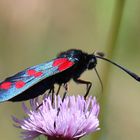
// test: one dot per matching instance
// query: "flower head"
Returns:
(68, 120)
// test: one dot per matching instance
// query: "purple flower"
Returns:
(68, 120)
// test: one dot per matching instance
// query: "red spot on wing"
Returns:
(59, 61)
(63, 63)
(37, 74)
(19, 84)
(5, 85)
(31, 72)
(34, 73)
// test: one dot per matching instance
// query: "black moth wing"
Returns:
(33, 81)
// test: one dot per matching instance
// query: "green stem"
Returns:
(111, 46)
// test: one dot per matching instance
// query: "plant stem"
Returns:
(111, 47)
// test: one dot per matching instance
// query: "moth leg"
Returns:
(87, 83)
(39, 106)
(51, 91)
(66, 91)
(58, 89)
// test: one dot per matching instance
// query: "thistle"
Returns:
(71, 119)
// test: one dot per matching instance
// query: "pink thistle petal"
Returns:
(76, 117)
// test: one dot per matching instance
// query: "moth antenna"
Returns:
(135, 76)
(99, 78)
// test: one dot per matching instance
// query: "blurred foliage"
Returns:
(34, 31)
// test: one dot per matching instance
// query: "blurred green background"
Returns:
(34, 31)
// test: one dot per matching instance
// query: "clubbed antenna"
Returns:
(135, 76)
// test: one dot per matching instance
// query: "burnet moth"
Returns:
(34, 81)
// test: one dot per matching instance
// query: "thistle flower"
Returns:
(68, 120)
